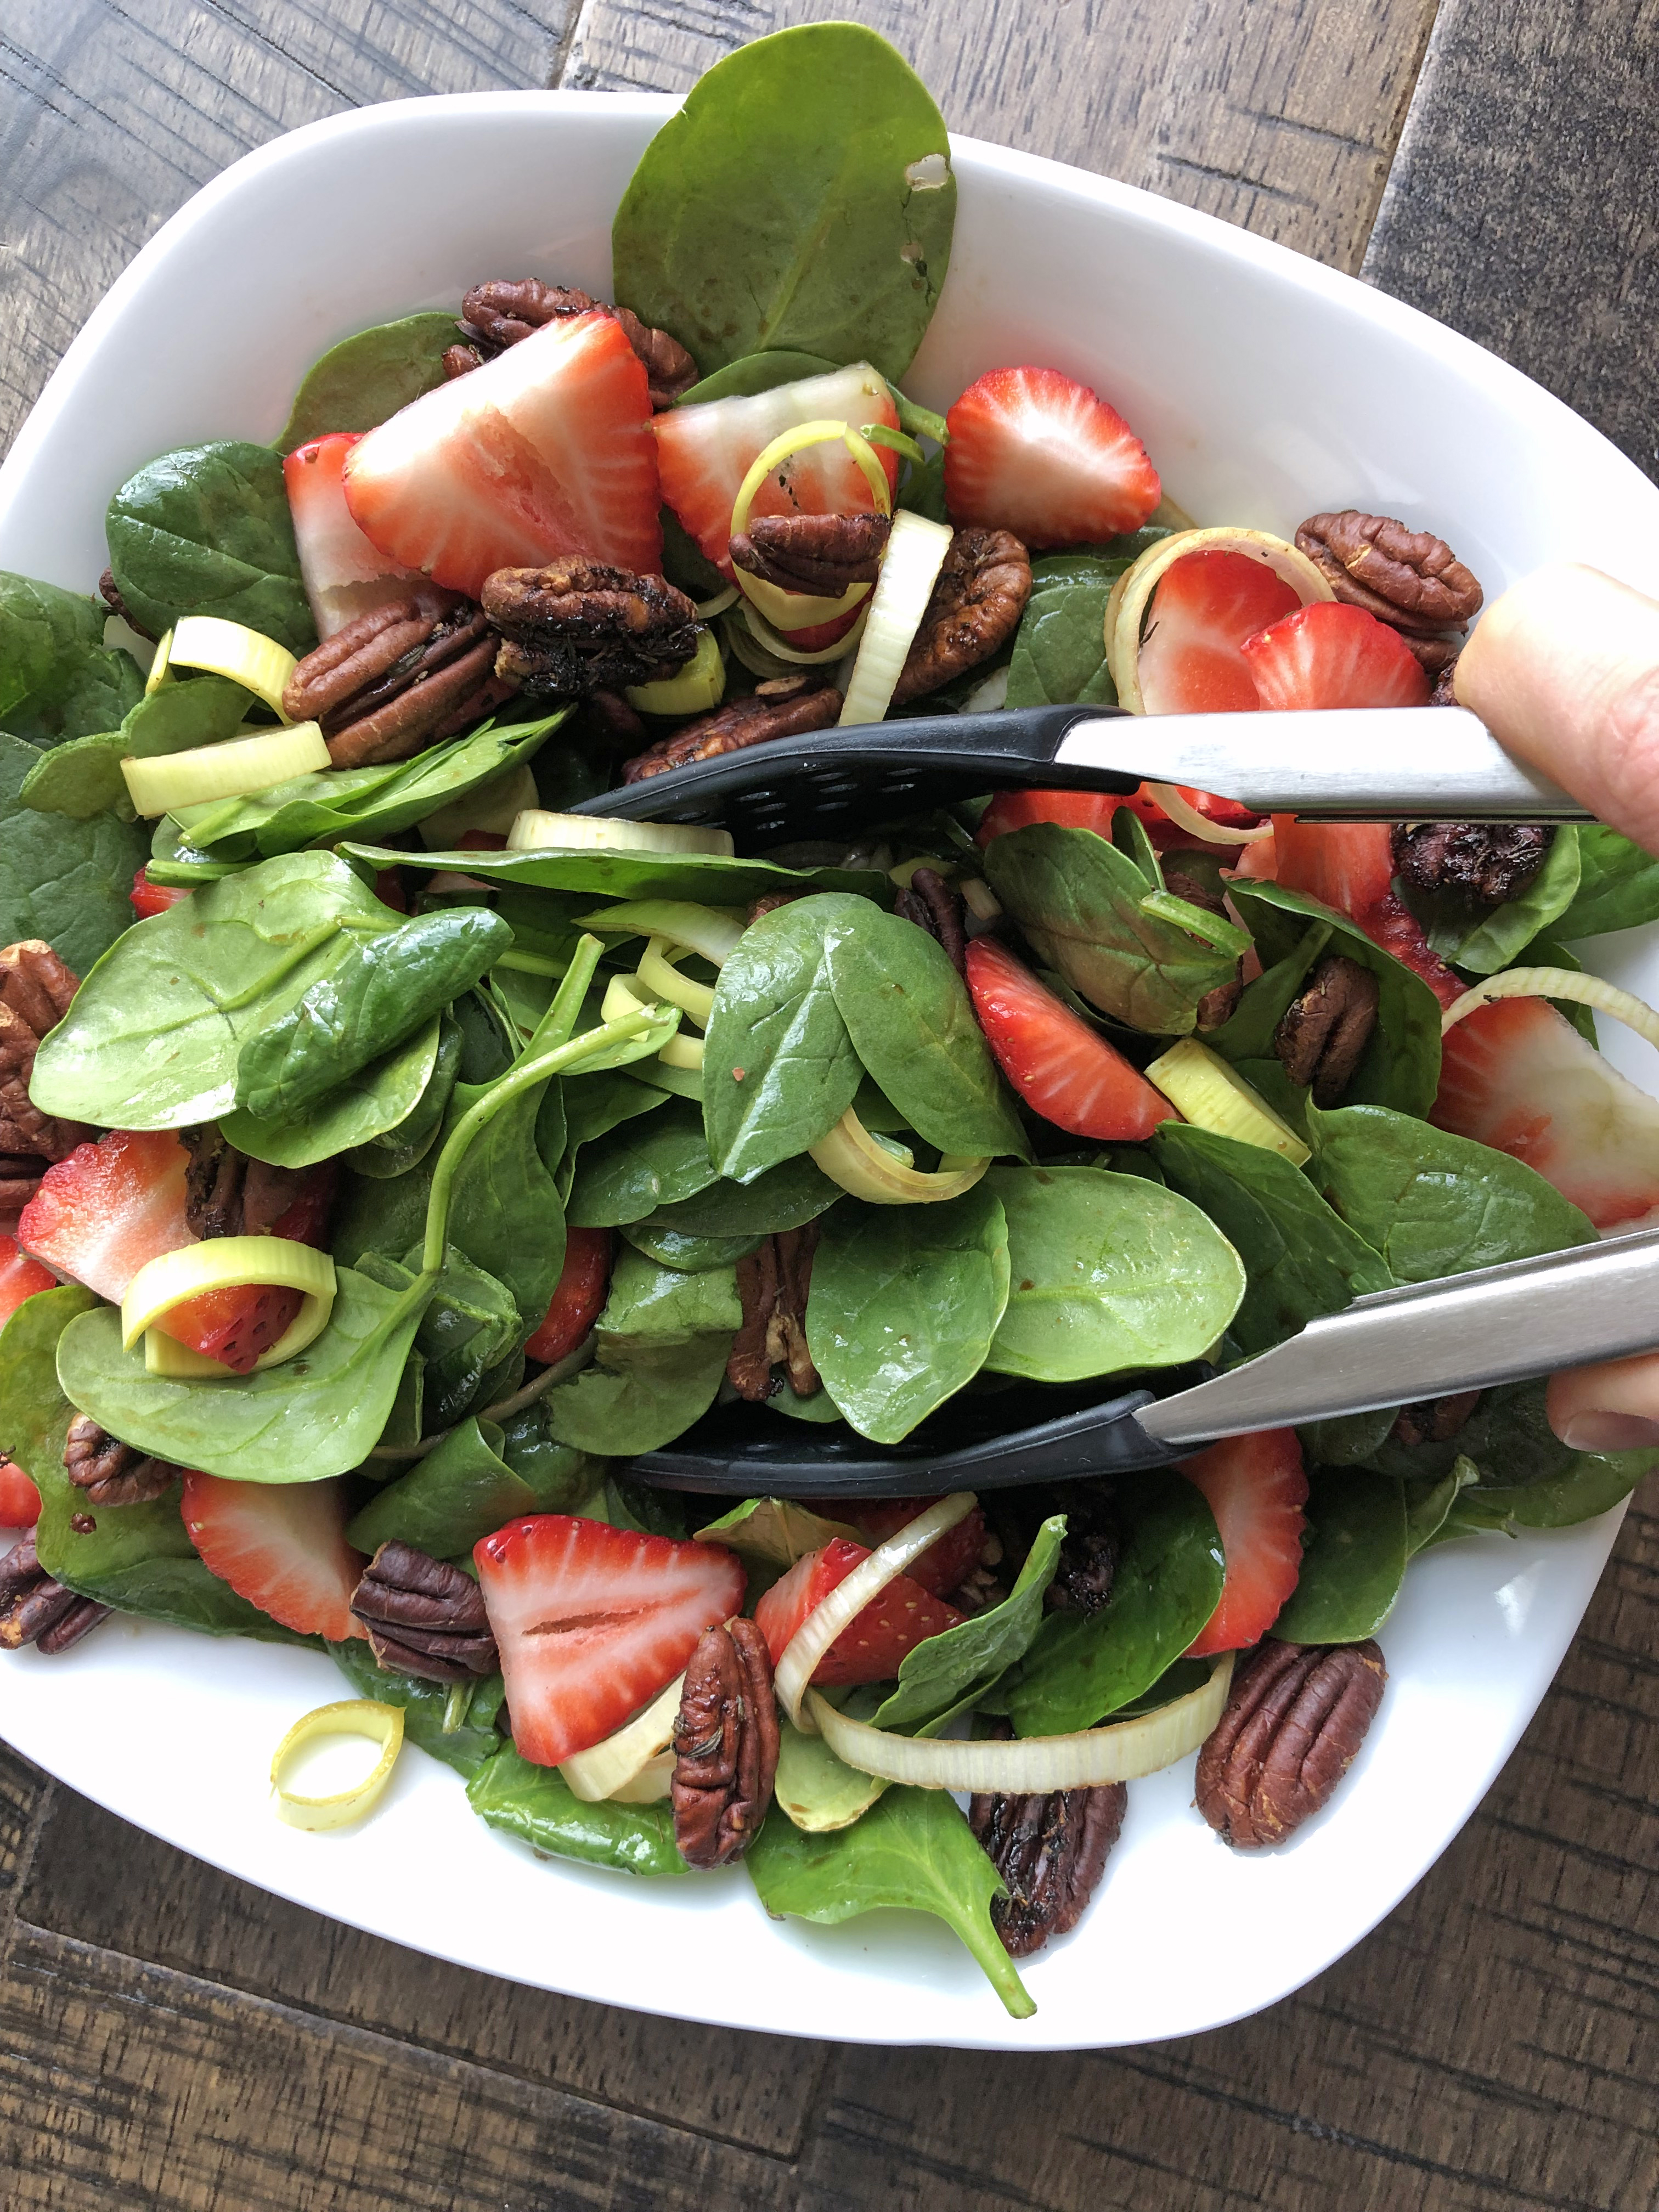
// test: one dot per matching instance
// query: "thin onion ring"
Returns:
(1557, 983)
(1132, 594)
(787, 443)
(1188, 818)
(364, 1716)
(619, 1759)
(770, 642)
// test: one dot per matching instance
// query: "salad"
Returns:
(403, 1154)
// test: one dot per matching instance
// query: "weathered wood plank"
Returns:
(1522, 207)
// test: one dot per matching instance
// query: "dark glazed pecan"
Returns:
(1406, 578)
(822, 554)
(773, 1285)
(1434, 656)
(1445, 693)
(110, 592)
(1435, 1420)
(931, 904)
(35, 991)
(400, 677)
(498, 315)
(786, 707)
(1051, 1850)
(579, 626)
(229, 1194)
(1322, 1035)
(423, 1617)
(1486, 861)
(726, 1746)
(978, 599)
(1295, 1718)
(34, 1610)
(110, 1471)
(1087, 1564)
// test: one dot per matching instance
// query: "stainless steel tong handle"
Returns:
(1494, 1325)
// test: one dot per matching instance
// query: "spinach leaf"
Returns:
(206, 530)
(950, 1671)
(833, 150)
(912, 1026)
(704, 878)
(57, 679)
(380, 1215)
(1428, 1503)
(1507, 1438)
(463, 1491)
(561, 1479)
(84, 777)
(913, 1849)
(505, 1213)
(1354, 1559)
(779, 1066)
(775, 1532)
(1080, 1669)
(1618, 885)
(1082, 903)
(1301, 1260)
(66, 882)
(785, 1197)
(626, 1175)
(469, 1325)
(152, 1039)
(814, 1789)
(403, 1143)
(595, 1104)
(357, 384)
(904, 1302)
(1482, 939)
(1108, 1273)
(1433, 1204)
(1591, 1485)
(663, 1342)
(690, 1255)
(467, 1747)
(1059, 652)
(754, 372)
(628, 1504)
(375, 1099)
(538, 1805)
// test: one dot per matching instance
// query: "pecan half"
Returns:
(1295, 1718)
(931, 904)
(726, 1746)
(1323, 1034)
(110, 592)
(978, 599)
(1445, 693)
(1407, 578)
(816, 553)
(498, 315)
(400, 677)
(786, 707)
(1434, 656)
(1087, 1566)
(35, 1609)
(579, 626)
(110, 1471)
(229, 1194)
(772, 1284)
(35, 991)
(1486, 861)
(1051, 1850)
(423, 1617)
(1435, 1420)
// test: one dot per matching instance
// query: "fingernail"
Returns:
(1610, 1432)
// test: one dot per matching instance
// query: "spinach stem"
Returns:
(558, 1023)
(530, 963)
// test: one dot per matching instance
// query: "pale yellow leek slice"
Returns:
(231, 1263)
(493, 806)
(606, 1768)
(692, 690)
(234, 769)
(161, 667)
(1557, 983)
(176, 1362)
(537, 831)
(796, 441)
(770, 641)
(786, 610)
(712, 931)
(651, 1785)
(228, 648)
(915, 554)
(683, 1051)
(360, 1716)
(1199, 825)
(663, 980)
(1212, 1095)
(850, 1156)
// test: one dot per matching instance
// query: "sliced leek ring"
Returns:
(1557, 983)
(1168, 796)
(1212, 1095)
(786, 610)
(231, 1263)
(227, 648)
(692, 690)
(664, 980)
(651, 1785)
(796, 441)
(606, 1768)
(161, 667)
(176, 1362)
(683, 1051)
(915, 554)
(361, 1717)
(493, 806)
(712, 931)
(780, 648)
(233, 768)
(537, 831)
(620, 999)
(1131, 596)
(707, 609)
(850, 1156)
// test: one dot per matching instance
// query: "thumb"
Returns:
(1564, 670)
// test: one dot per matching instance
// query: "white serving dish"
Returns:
(1266, 388)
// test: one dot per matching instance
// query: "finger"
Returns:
(1564, 670)
(1610, 1408)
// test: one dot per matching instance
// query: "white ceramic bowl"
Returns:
(1266, 388)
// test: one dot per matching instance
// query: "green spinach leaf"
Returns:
(471, 1323)
(690, 1255)
(624, 1176)
(447, 1501)
(1482, 939)
(66, 882)
(561, 1479)
(775, 1532)
(84, 777)
(785, 1197)
(816, 1790)
(1618, 885)
(538, 1805)
(467, 1747)
(704, 878)
(756, 373)
(403, 1143)
(206, 530)
(1428, 1502)
(950, 1671)
(662, 1346)
(57, 679)
(505, 1213)
(1059, 652)
(358, 1111)
(1591, 1485)
(1354, 1558)
(595, 1104)
(358, 384)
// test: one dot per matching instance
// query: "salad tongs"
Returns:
(1384, 763)
(1494, 1325)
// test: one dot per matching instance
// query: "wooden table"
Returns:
(172, 2039)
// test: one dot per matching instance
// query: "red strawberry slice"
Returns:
(20, 1501)
(704, 452)
(1063, 1069)
(577, 1297)
(149, 898)
(1332, 655)
(948, 1560)
(20, 1277)
(1516, 1075)
(545, 450)
(1350, 866)
(1203, 608)
(1256, 1489)
(592, 1621)
(343, 573)
(1093, 809)
(870, 1650)
(1036, 452)
(282, 1547)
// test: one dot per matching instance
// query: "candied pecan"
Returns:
(785, 706)
(1486, 861)
(38, 1610)
(400, 677)
(498, 315)
(1434, 655)
(110, 592)
(110, 1471)
(931, 904)
(1050, 1849)
(978, 599)
(579, 626)
(725, 1745)
(1435, 1420)
(1407, 578)
(772, 1284)
(1445, 693)
(1218, 1005)
(1323, 1034)
(229, 1194)
(816, 553)
(423, 1617)
(1295, 1718)
(35, 991)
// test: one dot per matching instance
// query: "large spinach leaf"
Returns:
(1618, 885)
(946, 1673)
(57, 679)
(785, 1197)
(66, 882)
(690, 1255)
(403, 1143)
(470, 1324)
(1060, 650)
(1588, 1487)
(358, 1111)
(506, 1214)
(754, 372)
(358, 384)
(466, 1745)
(1354, 1558)
(447, 1501)
(1109, 1272)
(84, 777)
(538, 1805)
(662, 1346)
(625, 1175)
(704, 878)
(206, 530)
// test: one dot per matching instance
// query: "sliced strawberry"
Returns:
(545, 450)
(344, 574)
(20, 1501)
(1203, 608)
(1332, 655)
(577, 1297)
(705, 452)
(870, 1650)
(1063, 1069)
(20, 1277)
(1036, 452)
(1350, 866)
(1516, 1075)
(148, 898)
(282, 1547)
(949, 1559)
(1256, 1489)
(1093, 809)
(592, 1621)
